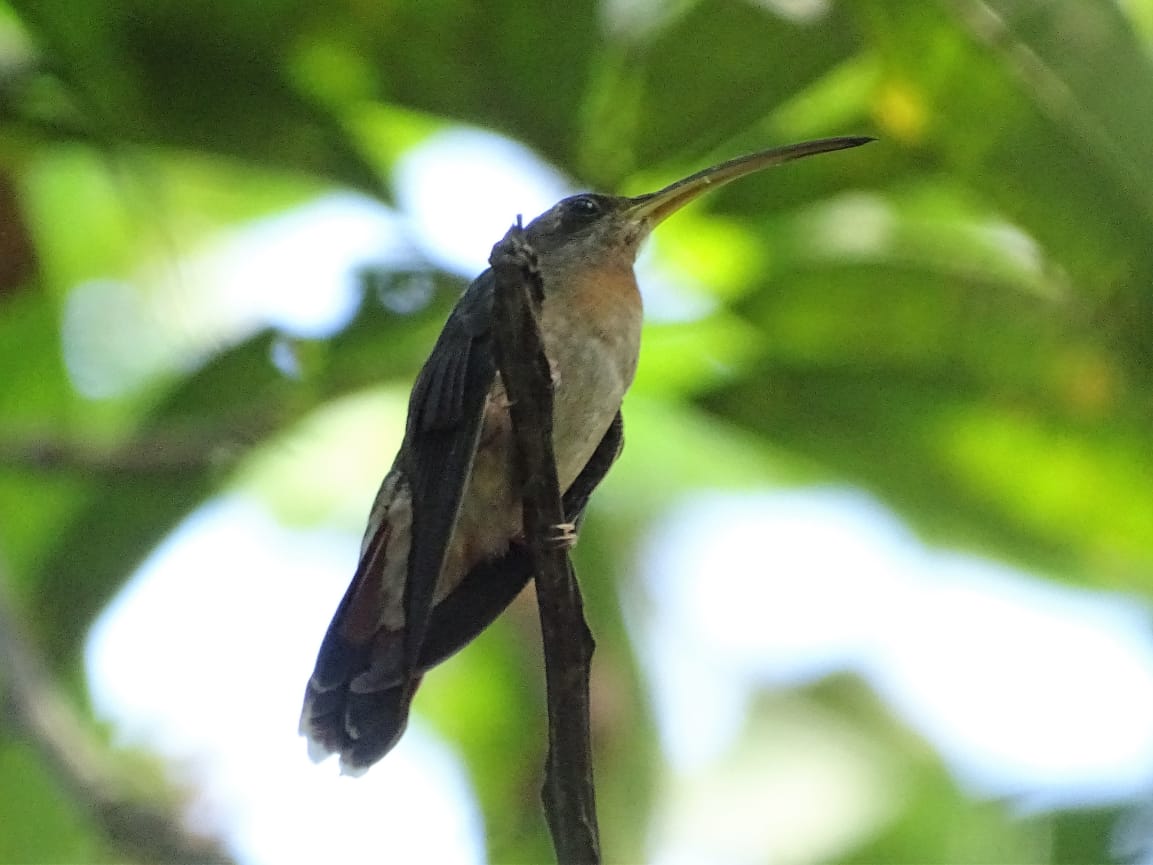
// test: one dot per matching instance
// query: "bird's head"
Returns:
(596, 229)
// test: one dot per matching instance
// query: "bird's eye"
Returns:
(585, 206)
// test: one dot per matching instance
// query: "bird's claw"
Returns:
(565, 536)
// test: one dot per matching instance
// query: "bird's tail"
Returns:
(359, 725)
(357, 701)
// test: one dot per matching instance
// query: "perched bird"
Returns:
(444, 542)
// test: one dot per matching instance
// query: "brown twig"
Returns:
(145, 456)
(568, 793)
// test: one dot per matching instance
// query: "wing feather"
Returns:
(445, 417)
(491, 586)
(358, 700)
(356, 703)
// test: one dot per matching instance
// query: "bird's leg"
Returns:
(565, 536)
(499, 398)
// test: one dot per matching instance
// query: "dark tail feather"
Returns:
(357, 701)
(481, 596)
(377, 720)
(335, 717)
(360, 727)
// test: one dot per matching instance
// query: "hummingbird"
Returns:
(444, 545)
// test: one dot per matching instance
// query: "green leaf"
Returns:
(719, 68)
(41, 822)
(206, 76)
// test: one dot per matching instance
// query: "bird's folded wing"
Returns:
(444, 421)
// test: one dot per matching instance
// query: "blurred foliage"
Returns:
(958, 319)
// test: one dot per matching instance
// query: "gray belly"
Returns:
(590, 375)
(592, 369)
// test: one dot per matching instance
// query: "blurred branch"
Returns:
(152, 455)
(145, 830)
(18, 264)
(1050, 87)
(568, 794)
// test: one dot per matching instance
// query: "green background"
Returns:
(980, 361)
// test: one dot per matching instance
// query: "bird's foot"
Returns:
(565, 536)
(500, 400)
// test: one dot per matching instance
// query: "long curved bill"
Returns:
(655, 207)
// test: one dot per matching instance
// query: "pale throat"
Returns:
(592, 337)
